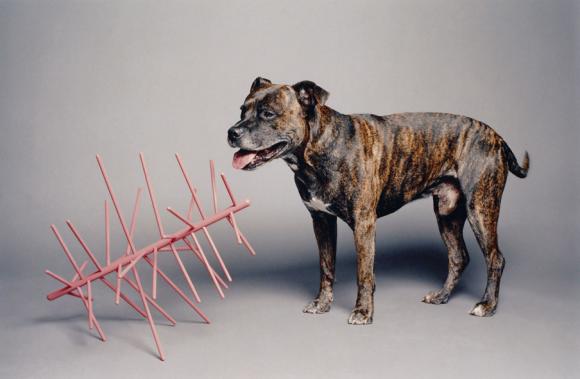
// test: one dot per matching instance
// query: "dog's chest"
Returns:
(317, 204)
(318, 195)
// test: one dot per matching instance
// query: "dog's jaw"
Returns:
(251, 159)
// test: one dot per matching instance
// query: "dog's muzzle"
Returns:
(234, 135)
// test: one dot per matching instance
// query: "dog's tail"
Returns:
(515, 168)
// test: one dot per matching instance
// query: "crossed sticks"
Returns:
(127, 263)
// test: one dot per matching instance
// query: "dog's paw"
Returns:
(317, 307)
(360, 317)
(436, 297)
(483, 309)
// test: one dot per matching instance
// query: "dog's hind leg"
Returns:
(483, 205)
(451, 228)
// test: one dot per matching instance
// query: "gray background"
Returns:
(116, 78)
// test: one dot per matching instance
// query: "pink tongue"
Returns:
(242, 158)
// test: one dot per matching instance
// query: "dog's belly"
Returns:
(388, 204)
(445, 190)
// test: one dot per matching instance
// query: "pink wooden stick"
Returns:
(62, 280)
(107, 235)
(133, 250)
(94, 319)
(178, 248)
(190, 186)
(122, 296)
(133, 285)
(66, 251)
(247, 244)
(232, 220)
(118, 293)
(85, 247)
(116, 204)
(234, 202)
(88, 251)
(185, 274)
(217, 254)
(132, 232)
(90, 295)
(162, 233)
(88, 303)
(245, 241)
(228, 189)
(82, 268)
(201, 213)
(154, 278)
(206, 264)
(178, 291)
(82, 297)
(149, 317)
(152, 196)
(198, 255)
(118, 289)
(134, 218)
(153, 303)
(57, 277)
(187, 222)
(213, 186)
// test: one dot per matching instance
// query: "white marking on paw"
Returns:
(317, 205)
(293, 166)
(478, 311)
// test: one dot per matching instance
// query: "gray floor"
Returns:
(258, 331)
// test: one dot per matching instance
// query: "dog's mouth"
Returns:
(251, 159)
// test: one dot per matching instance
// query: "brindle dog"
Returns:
(360, 167)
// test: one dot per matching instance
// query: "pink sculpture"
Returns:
(120, 267)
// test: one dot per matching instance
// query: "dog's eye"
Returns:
(267, 115)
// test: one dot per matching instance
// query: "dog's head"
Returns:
(273, 122)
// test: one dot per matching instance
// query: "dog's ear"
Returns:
(309, 94)
(258, 83)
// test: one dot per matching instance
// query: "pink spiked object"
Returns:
(119, 269)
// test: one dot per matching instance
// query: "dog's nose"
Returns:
(235, 132)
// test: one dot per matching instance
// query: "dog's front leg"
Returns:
(325, 231)
(364, 237)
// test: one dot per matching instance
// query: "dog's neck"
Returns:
(326, 131)
(322, 132)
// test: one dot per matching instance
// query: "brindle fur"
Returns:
(360, 167)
